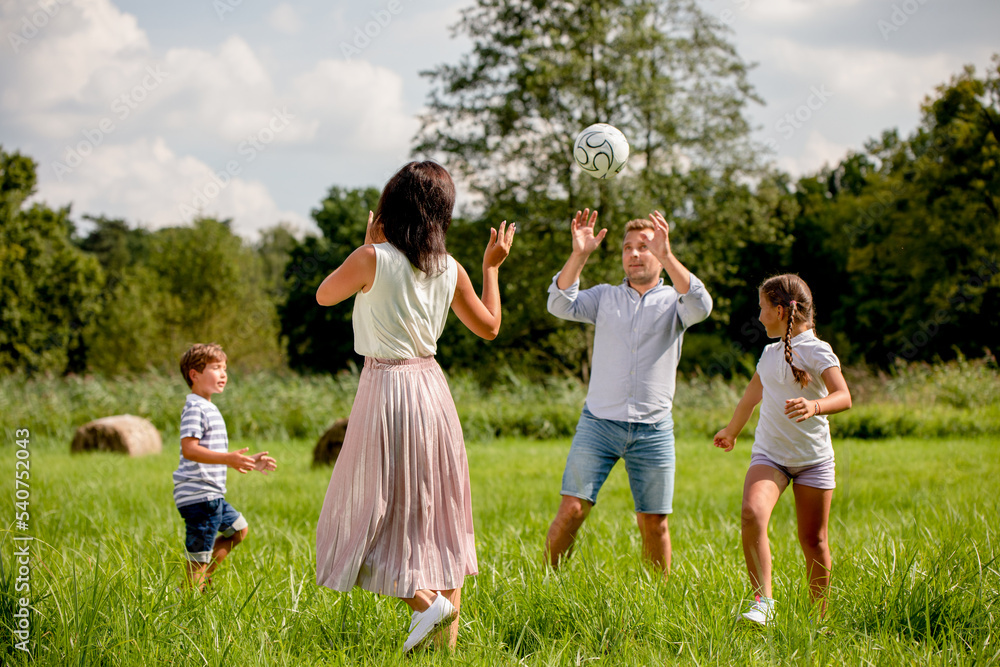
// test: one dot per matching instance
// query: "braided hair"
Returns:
(791, 293)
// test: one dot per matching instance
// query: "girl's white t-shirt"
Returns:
(779, 438)
(403, 314)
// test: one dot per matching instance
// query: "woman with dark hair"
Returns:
(397, 518)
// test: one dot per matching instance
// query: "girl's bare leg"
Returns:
(761, 490)
(812, 508)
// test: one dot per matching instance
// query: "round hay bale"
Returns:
(123, 434)
(327, 449)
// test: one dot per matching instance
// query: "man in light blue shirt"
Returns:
(640, 325)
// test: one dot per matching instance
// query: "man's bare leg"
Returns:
(562, 533)
(655, 539)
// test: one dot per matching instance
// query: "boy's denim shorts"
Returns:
(204, 521)
(648, 451)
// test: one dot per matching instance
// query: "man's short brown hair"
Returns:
(199, 356)
(638, 223)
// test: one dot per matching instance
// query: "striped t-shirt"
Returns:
(199, 482)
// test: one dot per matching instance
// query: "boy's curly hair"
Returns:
(199, 356)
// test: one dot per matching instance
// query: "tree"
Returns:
(506, 115)
(187, 285)
(322, 339)
(504, 119)
(275, 249)
(115, 244)
(912, 227)
(49, 289)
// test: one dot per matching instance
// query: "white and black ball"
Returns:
(601, 150)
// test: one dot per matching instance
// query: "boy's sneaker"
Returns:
(424, 623)
(761, 611)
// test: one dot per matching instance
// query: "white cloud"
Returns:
(817, 152)
(225, 94)
(355, 106)
(871, 78)
(824, 100)
(285, 19)
(146, 183)
(789, 11)
(218, 96)
(85, 49)
(90, 82)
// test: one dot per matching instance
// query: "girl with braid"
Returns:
(798, 383)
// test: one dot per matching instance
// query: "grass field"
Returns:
(914, 534)
(957, 399)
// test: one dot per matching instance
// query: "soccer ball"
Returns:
(601, 150)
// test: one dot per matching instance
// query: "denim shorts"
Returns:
(204, 521)
(648, 451)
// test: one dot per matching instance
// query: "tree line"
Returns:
(900, 241)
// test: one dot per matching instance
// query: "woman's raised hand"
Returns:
(582, 229)
(499, 246)
(373, 232)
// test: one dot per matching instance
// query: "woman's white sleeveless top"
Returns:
(403, 314)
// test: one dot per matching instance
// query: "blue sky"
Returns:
(155, 112)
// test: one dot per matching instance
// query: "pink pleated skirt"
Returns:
(397, 516)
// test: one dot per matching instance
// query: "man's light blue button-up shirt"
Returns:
(637, 343)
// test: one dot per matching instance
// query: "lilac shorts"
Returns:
(818, 476)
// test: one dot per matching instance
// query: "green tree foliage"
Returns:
(275, 249)
(660, 70)
(322, 339)
(505, 117)
(49, 289)
(903, 240)
(115, 245)
(179, 286)
(740, 237)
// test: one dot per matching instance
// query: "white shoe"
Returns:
(424, 623)
(761, 611)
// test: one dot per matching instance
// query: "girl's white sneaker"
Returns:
(761, 611)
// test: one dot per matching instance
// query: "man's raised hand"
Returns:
(660, 243)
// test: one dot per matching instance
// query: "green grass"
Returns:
(913, 533)
(961, 398)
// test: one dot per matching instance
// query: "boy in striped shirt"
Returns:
(213, 526)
